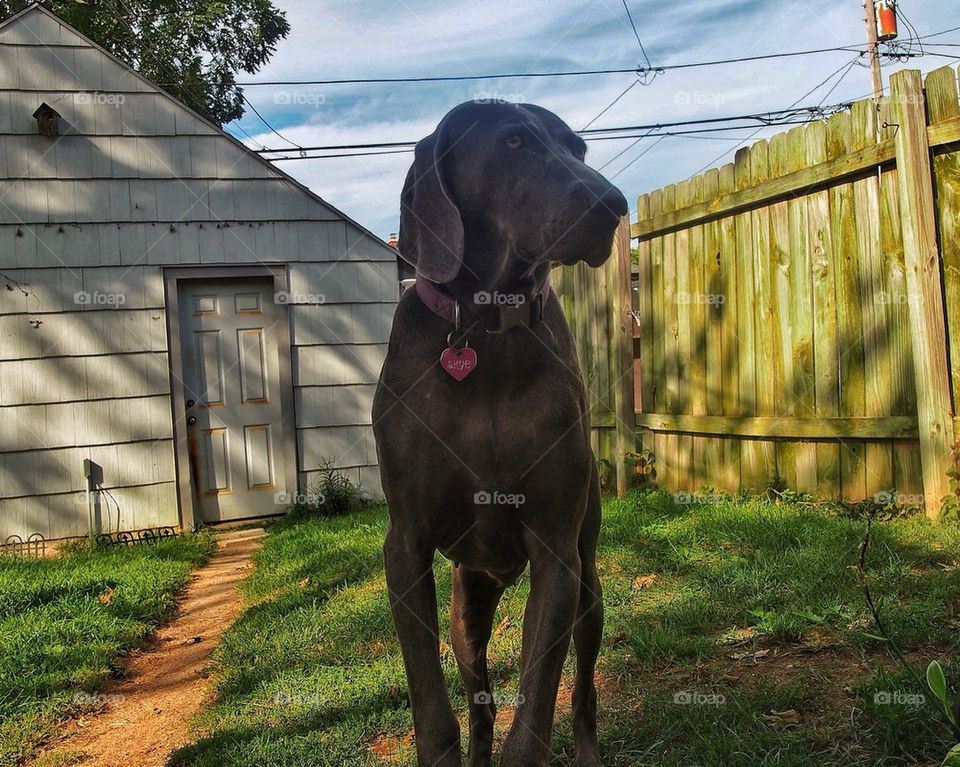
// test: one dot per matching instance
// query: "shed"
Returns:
(176, 314)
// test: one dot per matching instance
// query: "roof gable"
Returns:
(100, 96)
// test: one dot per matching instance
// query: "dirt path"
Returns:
(147, 714)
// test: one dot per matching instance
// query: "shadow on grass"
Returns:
(311, 673)
(774, 572)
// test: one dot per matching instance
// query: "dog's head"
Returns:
(500, 191)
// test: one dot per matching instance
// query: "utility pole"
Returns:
(873, 46)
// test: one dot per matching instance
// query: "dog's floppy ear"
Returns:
(431, 232)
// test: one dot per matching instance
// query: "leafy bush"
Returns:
(330, 496)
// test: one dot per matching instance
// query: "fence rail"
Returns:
(794, 309)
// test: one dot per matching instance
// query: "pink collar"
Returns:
(494, 318)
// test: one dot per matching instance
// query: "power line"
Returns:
(567, 73)
(823, 82)
(637, 34)
(610, 106)
(697, 133)
(937, 34)
(778, 117)
(853, 48)
(839, 80)
(625, 150)
(944, 56)
(814, 115)
(344, 154)
(272, 129)
(644, 152)
(641, 78)
(240, 128)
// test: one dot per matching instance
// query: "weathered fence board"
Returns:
(802, 386)
(597, 304)
(927, 318)
(943, 107)
(782, 329)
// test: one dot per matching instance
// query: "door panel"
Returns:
(231, 367)
(259, 454)
(209, 366)
(253, 374)
(217, 447)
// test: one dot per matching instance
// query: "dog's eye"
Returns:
(514, 141)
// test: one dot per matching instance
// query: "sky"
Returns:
(400, 38)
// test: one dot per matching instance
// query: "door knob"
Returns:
(191, 421)
(190, 403)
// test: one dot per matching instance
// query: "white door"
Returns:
(231, 368)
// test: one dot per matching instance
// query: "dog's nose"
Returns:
(612, 202)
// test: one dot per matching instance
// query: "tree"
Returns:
(192, 48)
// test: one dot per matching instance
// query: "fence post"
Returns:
(620, 303)
(922, 257)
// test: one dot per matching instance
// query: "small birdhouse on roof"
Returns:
(48, 120)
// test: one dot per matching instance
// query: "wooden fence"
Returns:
(793, 309)
(598, 306)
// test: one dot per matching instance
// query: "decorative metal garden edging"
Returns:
(150, 536)
(35, 546)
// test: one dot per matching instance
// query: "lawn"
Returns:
(66, 623)
(736, 634)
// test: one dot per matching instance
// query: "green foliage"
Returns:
(65, 623)
(937, 683)
(950, 508)
(644, 465)
(193, 48)
(605, 472)
(330, 496)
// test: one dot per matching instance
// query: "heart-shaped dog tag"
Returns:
(459, 363)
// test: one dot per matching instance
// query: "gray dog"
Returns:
(482, 425)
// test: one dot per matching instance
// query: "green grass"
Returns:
(65, 624)
(311, 673)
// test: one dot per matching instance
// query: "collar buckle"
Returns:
(526, 314)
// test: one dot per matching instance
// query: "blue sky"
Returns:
(363, 38)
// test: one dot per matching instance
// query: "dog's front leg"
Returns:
(413, 602)
(547, 626)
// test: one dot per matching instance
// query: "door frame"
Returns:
(172, 278)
